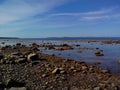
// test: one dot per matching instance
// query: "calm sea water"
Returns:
(109, 60)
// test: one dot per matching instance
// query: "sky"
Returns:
(59, 18)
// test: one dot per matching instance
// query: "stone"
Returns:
(2, 86)
(44, 75)
(105, 71)
(97, 88)
(84, 67)
(72, 68)
(18, 88)
(32, 56)
(56, 71)
(16, 53)
(20, 60)
(62, 72)
(13, 83)
(118, 61)
(99, 54)
(1, 56)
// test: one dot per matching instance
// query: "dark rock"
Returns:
(12, 83)
(99, 54)
(2, 86)
(1, 56)
(77, 45)
(18, 44)
(35, 63)
(16, 53)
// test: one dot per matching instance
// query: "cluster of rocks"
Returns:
(26, 68)
(58, 47)
(111, 42)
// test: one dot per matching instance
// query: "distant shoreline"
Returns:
(9, 38)
(66, 38)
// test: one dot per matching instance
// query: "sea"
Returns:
(108, 61)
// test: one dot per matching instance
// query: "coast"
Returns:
(26, 68)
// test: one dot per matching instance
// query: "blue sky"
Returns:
(59, 18)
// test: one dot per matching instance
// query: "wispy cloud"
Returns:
(20, 15)
(12, 10)
(107, 13)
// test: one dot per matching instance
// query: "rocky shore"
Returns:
(26, 68)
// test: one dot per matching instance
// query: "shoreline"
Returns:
(32, 70)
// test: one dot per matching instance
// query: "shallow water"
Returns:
(109, 60)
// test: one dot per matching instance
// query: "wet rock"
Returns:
(77, 45)
(51, 47)
(118, 61)
(32, 56)
(18, 88)
(99, 54)
(18, 44)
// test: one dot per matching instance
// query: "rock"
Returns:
(2, 86)
(35, 63)
(97, 88)
(118, 61)
(21, 60)
(13, 83)
(84, 67)
(1, 56)
(18, 88)
(16, 53)
(44, 75)
(62, 72)
(99, 54)
(32, 56)
(72, 68)
(35, 49)
(56, 71)
(105, 71)
(18, 44)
